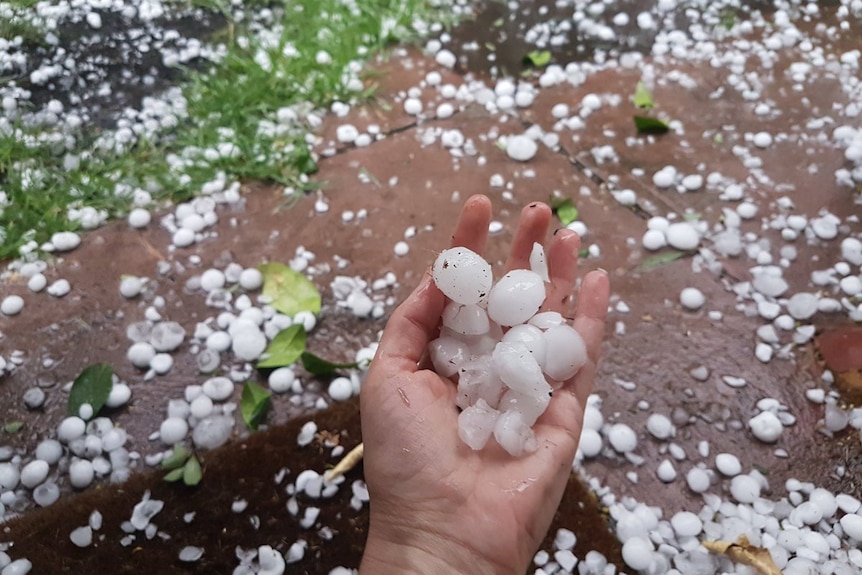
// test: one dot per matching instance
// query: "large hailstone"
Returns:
(518, 369)
(565, 352)
(462, 275)
(516, 298)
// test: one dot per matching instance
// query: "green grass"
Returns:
(14, 22)
(233, 102)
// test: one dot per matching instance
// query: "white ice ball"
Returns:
(281, 379)
(340, 389)
(516, 297)
(532, 337)
(654, 240)
(622, 438)
(250, 279)
(447, 354)
(518, 369)
(565, 352)
(514, 435)
(476, 424)
(81, 473)
(682, 236)
(12, 305)
(173, 430)
(462, 275)
(692, 298)
(466, 319)
(521, 148)
(139, 218)
(766, 426)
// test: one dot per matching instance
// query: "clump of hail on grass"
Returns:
(505, 355)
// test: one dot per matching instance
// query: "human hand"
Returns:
(437, 506)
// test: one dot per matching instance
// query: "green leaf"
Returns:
(92, 386)
(174, 475)
(316, 365)
(13, 427)
(648, 125)
(177, 458)
(498, 23)
(643, 98)
(537, 58)
(285, 348)
(564, 209)
(192, 472)
(254, 403)
(584, 253)
(289, 291)
(659, 260)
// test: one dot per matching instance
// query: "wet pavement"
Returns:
(411, 188)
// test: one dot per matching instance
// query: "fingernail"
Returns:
(602, 270)
(557, 230)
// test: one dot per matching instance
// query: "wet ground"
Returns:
(408, 181)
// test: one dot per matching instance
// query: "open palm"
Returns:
(437, 505)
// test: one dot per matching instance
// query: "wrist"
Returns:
(403, 550)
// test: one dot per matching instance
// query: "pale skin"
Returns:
(437, 506)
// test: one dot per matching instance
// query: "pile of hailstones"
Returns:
(506, 356)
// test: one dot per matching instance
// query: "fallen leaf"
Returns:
(659, 260)
(285, 348)
(642, 97)
(648, 125)
(316, 365)
(176, 459)
(564, 209)
(13, 427)
(192, 472)
(289, 291)
(744, 552)
(254, 403)
(538, 58)
(92, 386)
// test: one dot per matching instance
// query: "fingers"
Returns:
(592, 311)
(414, 323)
(562, 258)
(472, 228)
(532, 228)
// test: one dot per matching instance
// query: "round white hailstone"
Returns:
(183, 238)
(697, 479)
(250, 279)
(692, 182)
(565, 352)
(626, 197)
(59, 288)
(445, 58)
(538, 261)
(271, 561)
(622, 438)
(762, 139)
(745, 488)
(34, 473)
(307, 319)
(851, 285)
(851, 250)
(46, 494)
(218, 388)
(447, 354)
(12, 305)
(114, 439)
(71, 429)
(213, 431)
(201, 406)
(516, 297)
(249, 344)
(476, 424)
(167, 336)
(173, 430)
(766, 427)
(208, 361)
(139, 218)
(591, 443)
(521, 148)
(131, 286)
(346, 133)
(34, 398)
(682, 236)
(190, 554)
(686, 524)
(530, 405)
(65, 241)
(514, 435)
(692, 298)
(852, 526)
(401, 248)
(664, 177)
(218, 341)
(9, 476)
(666, 471)
(212, 279)
(660, 426)
(654, 240)
(413, 106)
(18, 567)
(161, 363)
(802, 305)
(523, 98)
(82, 536)
(560, 111)
(194, 222)
(825, 500)
(637, 553)
(281, 379)
(340, 389)
(37, 282)
(746, 210)
(763, 352)
(658, 223)
(445, 110)
(85, 412)
(462, 275)
(81, 473)
(518, 368)
(465, 319)
(530, 336)
(50, 451)
(547, 319)
(141, 354)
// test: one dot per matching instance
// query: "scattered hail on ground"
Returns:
(722, 137)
